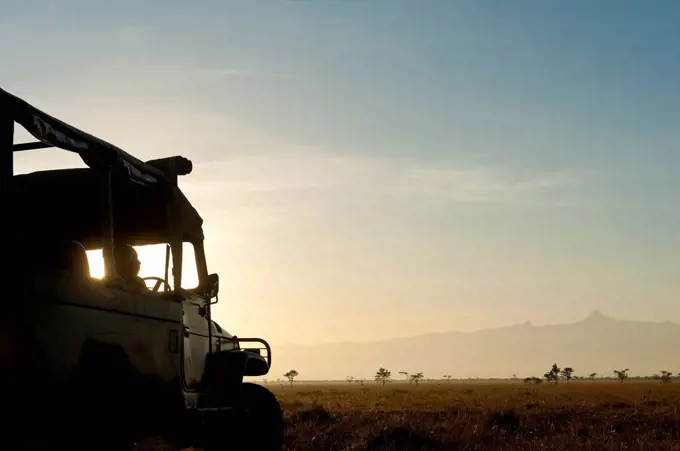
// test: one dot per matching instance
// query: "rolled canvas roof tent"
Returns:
(51, 132)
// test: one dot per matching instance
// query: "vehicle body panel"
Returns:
(79, 354)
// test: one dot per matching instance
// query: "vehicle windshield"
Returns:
(153, 260)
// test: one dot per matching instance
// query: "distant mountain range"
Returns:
(595, 344)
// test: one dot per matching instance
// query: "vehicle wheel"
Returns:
(259, 427)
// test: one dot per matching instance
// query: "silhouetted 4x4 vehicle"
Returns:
(94, 363)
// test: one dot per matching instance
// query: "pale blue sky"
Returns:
(390, 167)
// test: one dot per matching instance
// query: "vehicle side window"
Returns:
(152, 264)
(96, 261)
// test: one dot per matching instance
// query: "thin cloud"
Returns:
(488, 185)
(174, 72)
(223, 72)
(298, 188)
(309, 173)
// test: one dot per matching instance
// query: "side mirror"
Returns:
(212, 286)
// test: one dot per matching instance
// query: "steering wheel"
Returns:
(158, 283)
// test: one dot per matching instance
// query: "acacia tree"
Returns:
(621, 374)
(291, 375)
(406, 375)
(591, 376)
(553, 375)
(416, 377)
(665, 376)
(567, 372)
(383, 375)
(448, 378)
(350, 379)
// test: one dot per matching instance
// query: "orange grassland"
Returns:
(503, 415)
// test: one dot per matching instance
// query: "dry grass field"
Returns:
(581, 415)
(604, 415)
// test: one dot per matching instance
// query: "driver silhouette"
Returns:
(128, 265)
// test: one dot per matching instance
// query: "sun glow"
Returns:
(152, 259)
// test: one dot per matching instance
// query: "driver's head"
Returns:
(127, 261)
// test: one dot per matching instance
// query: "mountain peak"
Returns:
(595, 315)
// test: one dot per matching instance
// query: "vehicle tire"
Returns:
(259, 426)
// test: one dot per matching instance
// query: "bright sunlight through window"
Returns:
(152, 259)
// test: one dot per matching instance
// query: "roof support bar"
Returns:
(108, 228)
(30, 146)
(6, 144)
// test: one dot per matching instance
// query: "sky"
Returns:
(375, 169)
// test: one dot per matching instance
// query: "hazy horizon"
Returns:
(593, 313)
(597, 344)
(369, 170)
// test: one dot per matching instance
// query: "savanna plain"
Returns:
(481, 415)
